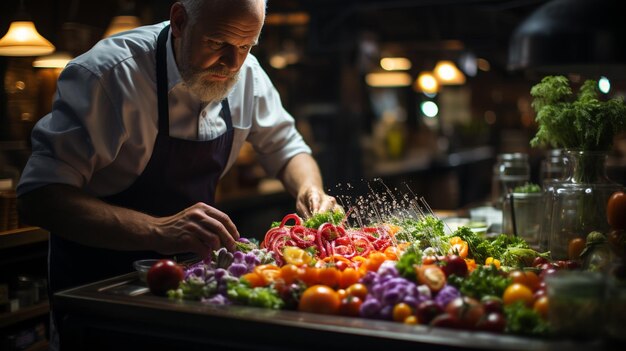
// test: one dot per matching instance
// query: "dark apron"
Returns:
(179, 174)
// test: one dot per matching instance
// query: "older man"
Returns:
(142, 128)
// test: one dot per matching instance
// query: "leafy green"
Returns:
(411, 258)
(335, 217)
(242, 293)
(246, 247)
(524, 321)
(479, 248)
(483, 281)
(428, 231)
(527, 188)
(582, 122)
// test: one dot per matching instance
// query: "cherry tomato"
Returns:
(492, 304)
(518, 292)
(350, 306)
(427, 311)
(575, 248)
(454, 264)
(412, 320)
(493, 322)
(468, 311)
(527, 278)
(359, 290)
(164, 275)
(541, 306)
(401, 311)
(538, 261)
(616, 210)
(445, 320)
(432, 276)
(319, 299)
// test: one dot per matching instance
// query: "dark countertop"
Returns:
(121, 314)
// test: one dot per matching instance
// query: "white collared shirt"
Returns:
(103, 125)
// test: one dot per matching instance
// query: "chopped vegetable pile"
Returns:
(406, 271)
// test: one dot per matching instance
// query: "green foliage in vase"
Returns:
(580, 122)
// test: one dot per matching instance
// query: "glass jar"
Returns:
(579, 202)
(553, 170)
(522, 215)
(511, 170)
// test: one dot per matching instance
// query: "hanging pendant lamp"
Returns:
(571, 36)
(22, 38)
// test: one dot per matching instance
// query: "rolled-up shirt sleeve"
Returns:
(273, 133)
(74, 139)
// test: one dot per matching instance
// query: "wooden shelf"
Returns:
(24, 313)
(22, 236)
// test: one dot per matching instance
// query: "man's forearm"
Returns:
(300, 171)
(74, 215)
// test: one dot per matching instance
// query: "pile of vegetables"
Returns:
(410, 271)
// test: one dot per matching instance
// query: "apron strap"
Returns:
(226, 115)
(161, 66)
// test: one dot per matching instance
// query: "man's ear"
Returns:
(178, 19)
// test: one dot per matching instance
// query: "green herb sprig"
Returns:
(583, 122)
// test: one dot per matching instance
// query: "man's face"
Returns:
(210, 51)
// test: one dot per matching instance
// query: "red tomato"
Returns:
(163, 276)
(454, 264)
(350, 306)
(427, 311)
(616, 210)
(466, 310)
(492, 322)
(319, 299)
(575, 248)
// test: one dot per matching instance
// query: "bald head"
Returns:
(196, 7)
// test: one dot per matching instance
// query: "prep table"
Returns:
(121, 313)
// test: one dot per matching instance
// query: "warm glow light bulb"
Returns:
(22, 39)
(427, 83)
(447, 73)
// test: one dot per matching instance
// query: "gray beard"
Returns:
(207, 91)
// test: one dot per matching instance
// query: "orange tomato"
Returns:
(471, 264)
(401, 311)
(541, 306)
(575, 248)
(289, 273)
(348, 277)
(359, 290)
(308, 275)
(518, 292)
(329, 276)
(412, 320)
(527, 278)
(319, 299)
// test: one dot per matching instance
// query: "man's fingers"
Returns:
(224, 220)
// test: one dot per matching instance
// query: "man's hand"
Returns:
(311, 200)
(199, 229)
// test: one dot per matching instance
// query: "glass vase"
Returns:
(579, 201)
